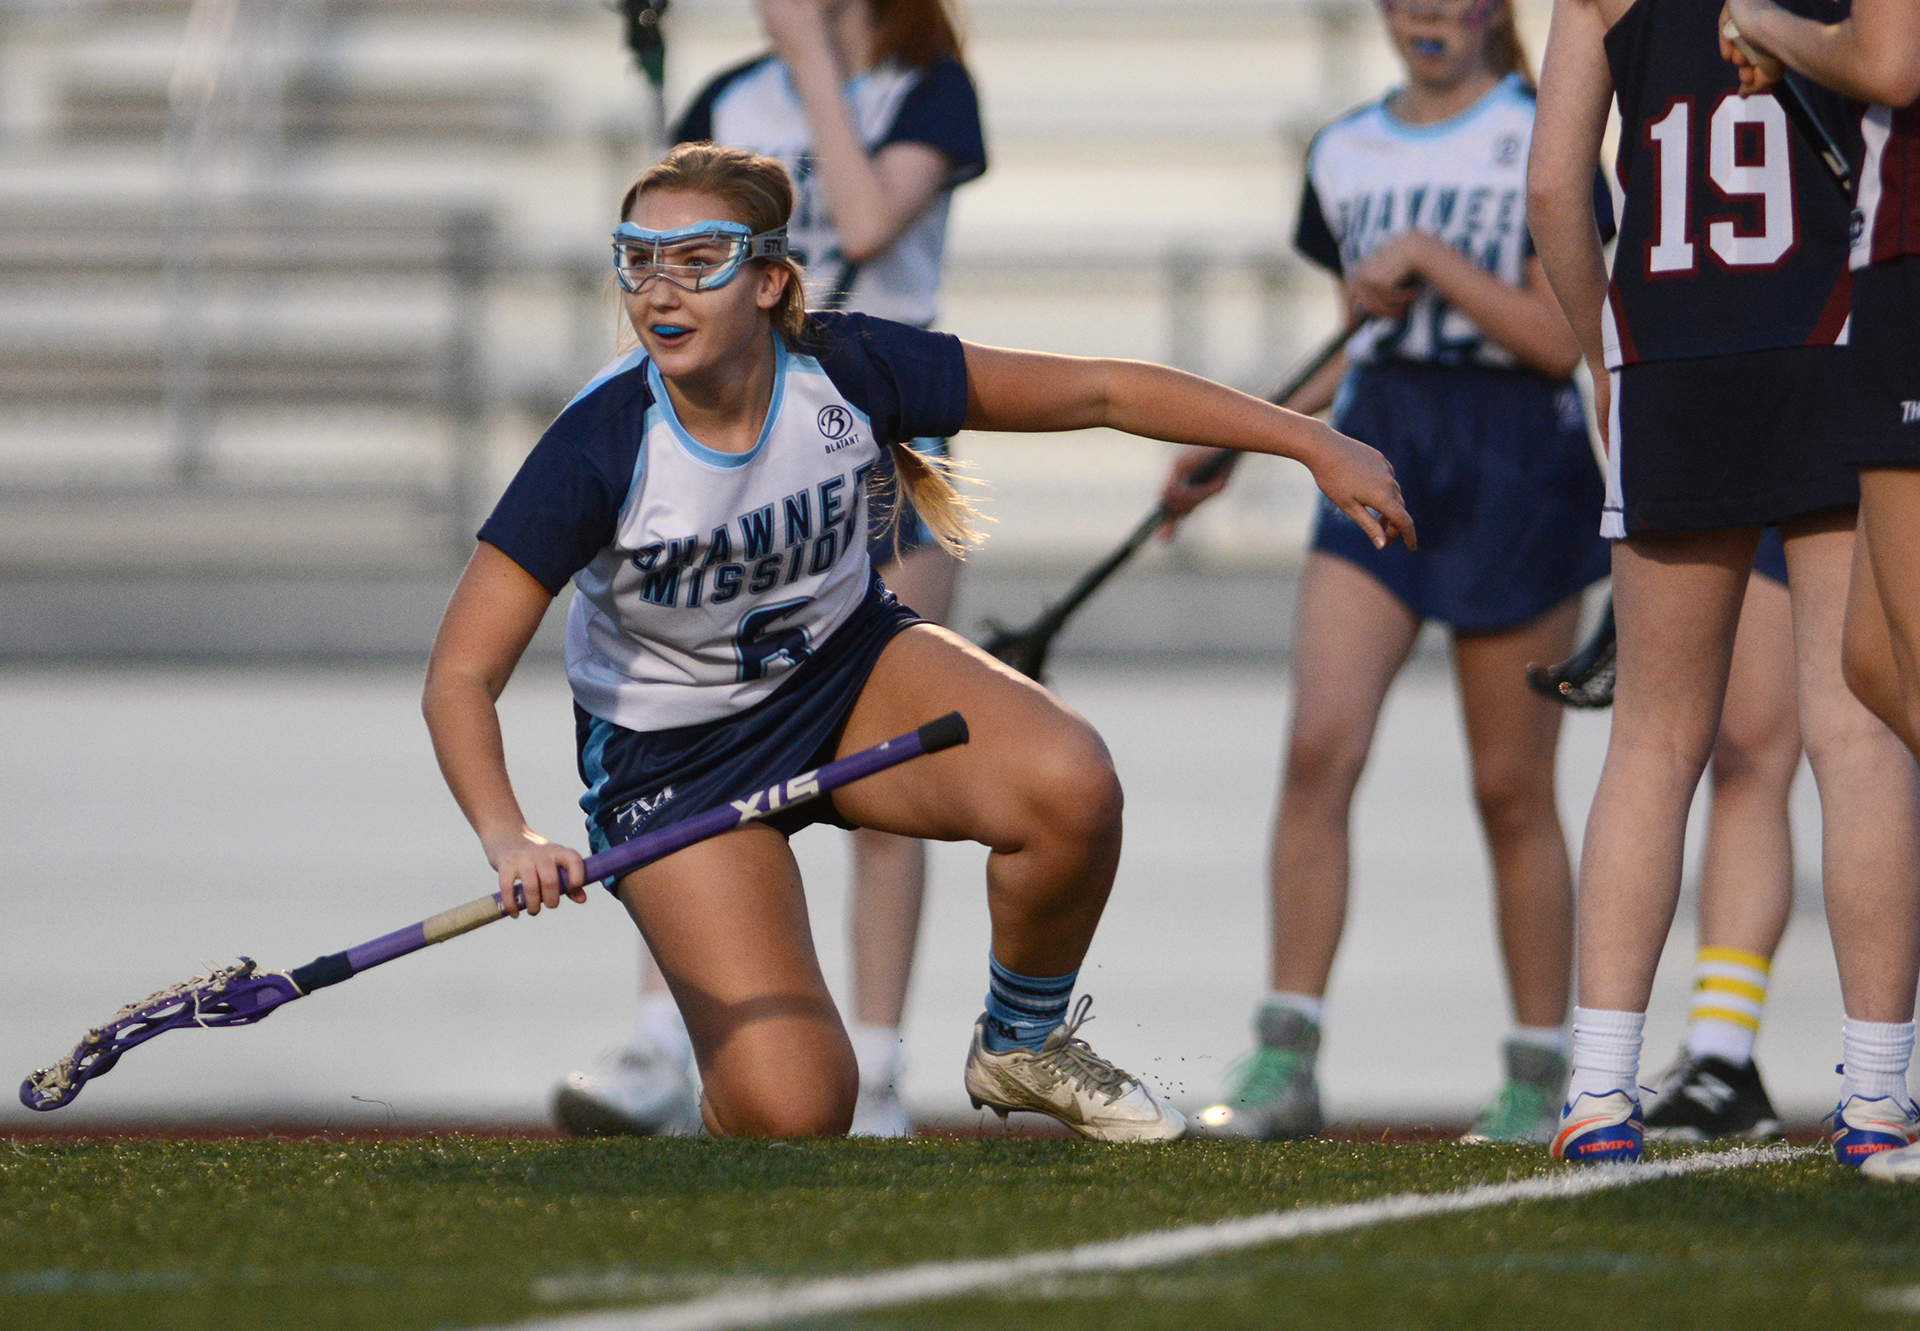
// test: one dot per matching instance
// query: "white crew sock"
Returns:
(877, 1050)
(1606, 1052)
(1553, 1038)
(1307, 1004)
(1729, 990)
(1876, 1055)
(662, 1026)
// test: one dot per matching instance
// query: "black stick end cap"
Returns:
(944, 733)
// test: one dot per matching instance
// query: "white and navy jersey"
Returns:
(703, 576)
(1733, 238)
(1887, 221)
(755, 106)
(1372, 177)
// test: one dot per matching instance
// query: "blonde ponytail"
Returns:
(925, 484)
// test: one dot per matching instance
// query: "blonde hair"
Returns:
(757, 192)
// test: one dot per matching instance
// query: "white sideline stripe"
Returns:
(764, 1306)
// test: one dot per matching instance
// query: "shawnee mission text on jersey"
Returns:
(702, 577)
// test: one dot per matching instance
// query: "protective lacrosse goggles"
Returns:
(701, 257)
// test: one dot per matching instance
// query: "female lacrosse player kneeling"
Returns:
(707, 495)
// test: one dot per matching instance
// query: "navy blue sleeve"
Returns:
(943, 111)
(911, 383)
(563, 506)
(1311, 234)
(1603, 207)
(695, 124)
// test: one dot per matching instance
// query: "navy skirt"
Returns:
(640, 781)
(1500, 479)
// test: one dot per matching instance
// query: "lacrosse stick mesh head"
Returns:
(1587, 684)
(235, 995)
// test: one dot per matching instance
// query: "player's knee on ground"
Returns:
(770, 1097)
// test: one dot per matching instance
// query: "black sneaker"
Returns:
(1701, 1099)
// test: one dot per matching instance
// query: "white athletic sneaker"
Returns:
(1901, 1166)
(1064, 1079)
(636, 1091)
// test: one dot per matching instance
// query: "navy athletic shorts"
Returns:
(642, 781)
(1886, 355)
(1500, 478)
(1770, 560)
(891, 511)
(1735, 441)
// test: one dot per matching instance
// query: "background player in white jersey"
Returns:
(1417, 205)
(1729, 408)
(1873, 56)
(707, 495)
(869, 107)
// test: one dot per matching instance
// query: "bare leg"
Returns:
(1677, 599)
(1513, 735)
(1352, 637)
(727, 921)
(1869, 793)
(1883, 608)
(1034, 784)
(1746, 877)
(890, 872)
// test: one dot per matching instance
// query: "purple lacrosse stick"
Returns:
(240, 995)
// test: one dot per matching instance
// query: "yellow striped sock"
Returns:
(1729, 992)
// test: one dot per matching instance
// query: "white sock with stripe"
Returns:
(1606, 1052)
(1729, 991)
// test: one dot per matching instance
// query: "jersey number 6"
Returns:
(1748, 156)
(759, 643)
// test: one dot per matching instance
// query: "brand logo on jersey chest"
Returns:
(1506, 150)
(836, 422)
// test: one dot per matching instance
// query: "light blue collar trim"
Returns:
(1507, 87)
(713, 457)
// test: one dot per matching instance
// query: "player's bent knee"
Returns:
(1073, 791)
(783, 1106)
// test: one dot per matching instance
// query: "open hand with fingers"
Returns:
(542, 869)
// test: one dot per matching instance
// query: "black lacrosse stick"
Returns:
(1584, 679)
(644, 38)
(1025, 649)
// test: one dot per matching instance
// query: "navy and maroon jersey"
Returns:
(1889, 209)
(1732, 237)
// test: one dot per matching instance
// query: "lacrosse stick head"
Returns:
(235, 995)
(1591, 686)
(1023, 649)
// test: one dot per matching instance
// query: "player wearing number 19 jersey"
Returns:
(1733, 243)
(1723, 328)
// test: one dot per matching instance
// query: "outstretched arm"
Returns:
(1576, 88)
(1025, 391)
(489, 622)
(1871, 56)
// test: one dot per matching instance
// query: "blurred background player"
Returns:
(1460, 376)
(1713, 1088)
(869, 107)
(1873, 56)
(1729, 408)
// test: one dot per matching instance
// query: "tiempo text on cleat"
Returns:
(1065, 1080)
(1864, 1128)
(1599, 1129)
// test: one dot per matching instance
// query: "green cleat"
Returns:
(1527, 1109)
(1274, 1096)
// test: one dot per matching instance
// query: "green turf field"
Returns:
(460, 1231)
